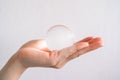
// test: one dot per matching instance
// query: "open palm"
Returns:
(36, 54)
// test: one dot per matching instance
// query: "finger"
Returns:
(96, 43)
(72, 49)
(65, 53)
(97, 39)
(85, 40)
(78, 46)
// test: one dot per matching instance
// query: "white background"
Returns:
(24, 20)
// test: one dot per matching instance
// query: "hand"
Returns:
(36, 54)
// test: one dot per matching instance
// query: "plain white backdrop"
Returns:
(24, 20)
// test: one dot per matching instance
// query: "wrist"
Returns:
(13, 69)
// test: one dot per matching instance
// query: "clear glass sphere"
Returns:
(59, 36)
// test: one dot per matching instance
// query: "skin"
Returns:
(36, 54)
